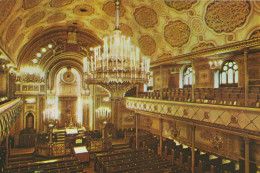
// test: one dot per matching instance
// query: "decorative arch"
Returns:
(185, 77)
(229, 75)
(32, 121)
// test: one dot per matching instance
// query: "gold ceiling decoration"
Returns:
(255, 34)
(202, 46)
(13, 28)
(83, 10)
(99, 24)
(180, 5)
(147, 45)
(5, 9)
(146, 17)
(109, 8)
(177, 33)
(59, 3)
(226, 16)
(28, 4)
(30, 19)
(35, 18)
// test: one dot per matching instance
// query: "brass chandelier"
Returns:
(117, 65)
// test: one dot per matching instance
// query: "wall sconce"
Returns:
(216, 64)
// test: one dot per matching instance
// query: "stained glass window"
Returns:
(229, 74)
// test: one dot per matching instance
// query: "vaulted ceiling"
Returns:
(160, 28)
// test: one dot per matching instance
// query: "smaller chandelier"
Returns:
(117, 62)
(103, 114)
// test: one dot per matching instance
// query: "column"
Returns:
(246, 76)
(193, 81)
(136, 131)
(193, 148)
(114, 108)
(7, 148)
(247, 170)
(161, 135)
(161, 81)
(94, 107)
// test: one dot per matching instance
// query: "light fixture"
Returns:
(50, 46)
(117, 64)
(103, 114)
(44, 49)
(35, 61)
(216, 64)
(38, 55)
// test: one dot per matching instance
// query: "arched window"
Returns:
(187, 76)
(229, 74)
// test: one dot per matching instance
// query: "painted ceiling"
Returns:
(161, 28)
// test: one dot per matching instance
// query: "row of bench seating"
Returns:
(132, 161)
(67, 164)
(223, 96)
(180, 155)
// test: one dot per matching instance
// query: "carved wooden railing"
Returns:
(242, 120)
(9, 112)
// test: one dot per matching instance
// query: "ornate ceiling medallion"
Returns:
(147, 45)
(110, 9)
(177, 33)
(146, 17)
(180, 5)
(226, 16)
(99, 24)
(83, 10)
(126, 30)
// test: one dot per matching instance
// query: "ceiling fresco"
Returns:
(161, 28)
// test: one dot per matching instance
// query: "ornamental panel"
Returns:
(226, 16)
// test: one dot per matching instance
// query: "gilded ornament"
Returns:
(147, 45)
(146, 17)
(83, 10)
(196, 25)
(126, 30)
(180, 5)
(13, 28)
(99, 24)
(226, 16)
(110, 9)
(60, 3)
(28, 4)
(35, 31)
(17, 42)
(202, 46)
(56, 17)
(35, 18)
(160, 8)
(255, 34)
(6, 8)
(177, 33)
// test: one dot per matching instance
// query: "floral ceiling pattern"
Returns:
(157, 27)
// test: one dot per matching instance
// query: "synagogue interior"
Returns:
(144, 86)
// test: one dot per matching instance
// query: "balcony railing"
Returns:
(9, 112)
(235, 118)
